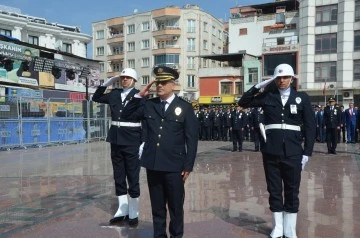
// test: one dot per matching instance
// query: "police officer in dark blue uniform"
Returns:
(285, 112)
(206, 124)
(199, 115)
(125, 138)
(257, 117)
(171, 138)
(237, 128)
(332, 122)
(217, 124)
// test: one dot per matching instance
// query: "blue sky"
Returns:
(84, 12)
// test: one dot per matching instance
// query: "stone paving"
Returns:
(67, 191)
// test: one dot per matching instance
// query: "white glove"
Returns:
(264, 83)
(141, 148)
(110, 81)
(304, 160)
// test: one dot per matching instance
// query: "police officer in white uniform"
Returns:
(285, 112)
(125, 138)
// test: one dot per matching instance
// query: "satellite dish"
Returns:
(58, 44)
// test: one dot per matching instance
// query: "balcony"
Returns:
(116, 38)
(166, 12)
(167, 31)
(112, 73)
(115, 22)
(167, 49)
(116, 57)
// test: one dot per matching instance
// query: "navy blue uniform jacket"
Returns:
(284, 142)
(170, 141)
(120, 135)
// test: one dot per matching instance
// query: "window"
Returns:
(357, 41)
(356, 69)
(325, 71)
(117, 50)
(191, 62)
(326, 15)
(239, 88)
(253, 75)
(190, 26)
(68, 48)
(213, 31)
(225, 88)
(220, 34)
(191, 44)
(101, 67)
(325, 44)
(131, 46)
(5, 32)
(205, 44)
(205, 27)
(357, 10)
(33, 40)
(100, 51)
(145, 26)
(191, 81)
(167, 59)
(145, 44)
(116, 67)
(131, 29)
(280, 40)
(131, 63)
(243, 31)
(145, 80)
(145, 62)
(100, 34)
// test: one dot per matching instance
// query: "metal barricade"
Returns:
(27, 122)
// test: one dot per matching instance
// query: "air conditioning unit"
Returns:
(175, 38)
(348, 95)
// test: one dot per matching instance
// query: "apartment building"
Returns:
(269, 31)
(38, 31)
(330, 50)
(172, 36)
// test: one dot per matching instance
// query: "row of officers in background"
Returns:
(229, 123)
(335, 124)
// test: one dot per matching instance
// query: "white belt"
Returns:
(283, 127)
(128, 124)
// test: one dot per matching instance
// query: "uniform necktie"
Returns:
(351, 113)
(163, 104)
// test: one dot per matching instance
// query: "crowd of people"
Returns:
(335, 124)
(229, 123)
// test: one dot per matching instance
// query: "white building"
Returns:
(171, 36)
(269, 31)
(37, 31)
(330, 49)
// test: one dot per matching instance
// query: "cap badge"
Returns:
(280, 71)
(177, 111)
(160, 70)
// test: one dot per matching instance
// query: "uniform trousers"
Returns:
(256, 133)
(126, 165)
(166, 188)
(331, 138)
(283, 170)
(237, 138)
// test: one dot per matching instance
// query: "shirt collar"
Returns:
(285, 92)
(170, 99)
(127, 90)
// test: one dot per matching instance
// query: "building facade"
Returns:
(172, 36)
(269, 31)
(38, 31)
(330, 50)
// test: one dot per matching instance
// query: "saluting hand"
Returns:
(185, 175)
(146, 90)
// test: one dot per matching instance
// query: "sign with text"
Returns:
(18, 66)
(216, 99)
